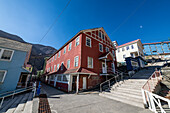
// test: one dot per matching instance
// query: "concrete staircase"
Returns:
(21, 103)
(129, 91)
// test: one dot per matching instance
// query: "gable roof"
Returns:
(128, 43)
(81, 31)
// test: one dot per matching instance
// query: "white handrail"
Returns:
(150, 99)
(12, 93)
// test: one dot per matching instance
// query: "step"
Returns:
(127, 94)
(15, 104)
(21, 104)
(122, 99)
(10, 103)
(29, 104)
(128, 89)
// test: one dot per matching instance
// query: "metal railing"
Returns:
(117, 78)
(17, 91)
(151, 100)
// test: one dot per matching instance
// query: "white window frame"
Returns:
(90, 42)
(54, 67)
(65, 50)
(3, 76)
(58, 66)
(88, 62)
(75, 61)
(100, 33)
(67, 64)
(1, 52)
(99, 47)
(102, 36)
(113, 52)
(69, 46)
(55, 56)
(59, 54)
(77, 41)
(107, 49)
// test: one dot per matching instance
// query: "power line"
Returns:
(55, 21)
(126, 19)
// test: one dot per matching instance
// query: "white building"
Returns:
(130, 49)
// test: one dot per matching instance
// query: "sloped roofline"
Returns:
(81, 31)
(129, 43)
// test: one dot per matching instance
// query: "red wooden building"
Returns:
(83, 62)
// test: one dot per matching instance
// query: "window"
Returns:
(118, 50)
(2, 75)
(69, 47)
(55, 56)
(90, 62)
(77, 41)
(54, 67)
(65, 78)
(103, 36)
(68, 64)
(107, 49)
(59, 77)
(88, 42)
(123, 49)
(76, 60)
(53, 59)
(127, 47)
(100, 47)
(113, 52)
(6, 54)
(51, 68)
(132, 47)
(62, 65)
(59, 54)
(64, 50)
(100, 34)
(58, 66)
(124, 56)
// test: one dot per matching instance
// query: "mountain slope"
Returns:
(38, 53)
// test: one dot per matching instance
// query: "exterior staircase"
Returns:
(129, 91)
(21, 103)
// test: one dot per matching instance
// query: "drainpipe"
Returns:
(77, 84)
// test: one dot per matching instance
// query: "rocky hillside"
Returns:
(38, 53)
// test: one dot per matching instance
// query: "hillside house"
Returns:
(130, 49)
(14, 56)
(83, 62)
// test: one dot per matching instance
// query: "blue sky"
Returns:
(121, 19)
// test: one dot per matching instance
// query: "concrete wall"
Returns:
(14, 69)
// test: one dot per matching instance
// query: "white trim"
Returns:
(78, 41)
(1, 52)
(65, 48)
(59, 54)
(54, 68)
(107, 48)
(77, 62)
(69, 47)
(67, 63)
(3, 76)
(99, 47)
(88, 62)
(90, 42)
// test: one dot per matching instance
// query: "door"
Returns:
(113, 67)
(84, 82)
(104, 69)
(74, 82)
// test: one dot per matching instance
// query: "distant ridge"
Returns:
(38, 53)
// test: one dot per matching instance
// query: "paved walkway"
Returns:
(88, 103)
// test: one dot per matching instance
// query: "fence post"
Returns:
(152, 102)
(100, 87)
(144, 98)
(109, 83)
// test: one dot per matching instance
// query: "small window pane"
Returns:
(2, 74)
(59, 78)
(65, 78)
(6, 55)
(88, 42)
(77, 41)
(90, 62)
